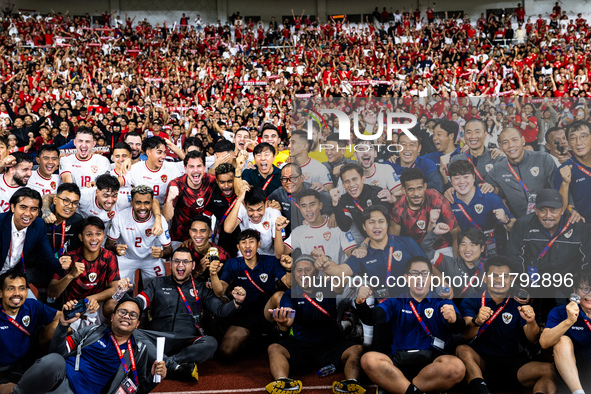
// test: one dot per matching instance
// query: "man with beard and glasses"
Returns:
(14, 178)
(178, 315)
(188, 195)
(43, 178)
(130, 238)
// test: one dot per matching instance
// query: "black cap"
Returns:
(549, 198)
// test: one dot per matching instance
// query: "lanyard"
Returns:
(587, 323)
(357, 205)
(229, 209)
(389, 270)
(473, 276)
(122, 357)
(268, 181)
(293, 201)
(547, 248)
(259, 288)
(15, 323)
(582, 169)
(421, 322)
(61, 250)
(22, 254)
(475, 169)
(321, 309)
(493, 317)
(469, 217)
(187, 302)
(517, 177)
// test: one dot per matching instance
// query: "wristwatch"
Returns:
(362, 245)
(474, 322)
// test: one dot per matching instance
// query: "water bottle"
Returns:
(120, 293)
(91, 318)
(327, 370)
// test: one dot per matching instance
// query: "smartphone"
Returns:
(80, 307)
(290, 313)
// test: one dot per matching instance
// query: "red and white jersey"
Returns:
(84, 171)
(44, 185)
(333, 241)
(6, 191)
(266, 227)
(138, 237)
(140, 174)
(89, 207)
(314, 171)
(124, 197)
(382, 175)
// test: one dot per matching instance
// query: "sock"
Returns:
(478, 386)
(412, 389)
(579, 392)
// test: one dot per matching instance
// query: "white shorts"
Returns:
(150, 268)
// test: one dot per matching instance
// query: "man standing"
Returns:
(14, 178)
(84, 166)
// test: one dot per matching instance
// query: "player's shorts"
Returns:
(503, 370)
(304, 357)
(411, 362)
(150, 268)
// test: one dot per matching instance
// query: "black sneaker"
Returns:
(284, 386)
(186, 372)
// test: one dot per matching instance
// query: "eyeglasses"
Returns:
(583, 137)
(292, 179)
(424, 274)
(124, 312)
(69, 203)
(183, 262)
(585, 290)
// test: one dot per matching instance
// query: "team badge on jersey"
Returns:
(478, 208)
(53, 185)
(111, 214)
(68, 228)
(375, 183)
(489, 167)
(148, 232)
(327, 235)
(26, 320)
(507, 317)
(421, 224)
(192, 293)
(429, 313)
(369, 203)
(397, 255)
(266, 225)
(264, 277)
(92, 276)
(319, 296)
(200, 202)
(568, 233)
(163, 178)
(94, 169)
(535, 171)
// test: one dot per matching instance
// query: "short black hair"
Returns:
(249, 233)
(21, 157)
(25, 192)
(182, 249)
(122, 145)
(194, 155)
(308, 193)
(131, 134)
(417, 259)
(552, 130)
(12, 274)
(450, 127)
(474, 235)
(107, 182)
(261, 147)
(335, 138)
(582, 277)
(82, 130)
(254, 196)
(224, 168)
(129, 299)
(92, 221)
(497, 261)
(351, 166)
(68, 187)
(303, 135)
(375, 208)
(461, 167)
(193, 141)
(412, 174)
(203, 219)
(223, 146)
(152, 143)
(47, 148)
(576, 126)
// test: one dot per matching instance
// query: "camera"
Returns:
(561, 149)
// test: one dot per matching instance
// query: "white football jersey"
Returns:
(137, 235)
(124, 197)
(140, 174)
(44, 185)
(6, 191)
(84, 171)
(266, 227)
(314, 171)
(333, 241)
(88, 206)
(382, 175)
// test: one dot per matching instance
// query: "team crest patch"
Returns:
(507, 317)
(375, 183)
(319, 296)
(421, 224)
(369, 203)
(568, 233)
(94, 169)
(26, 320)
(68, 228)
(397, 255)
(148, 232)
(429, 313)
(535, 171)
(266, 225)
(489, 167)
(327, 235)
(200, 202)
(264, 277)
(53, 185)
(478, 208)
(92, 276)
(192, 293)
(111, 214)
(163, 178)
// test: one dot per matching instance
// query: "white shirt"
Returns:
(124, 196)
(266, 227)
(15, 251)
(88, 206)
(84, 171)
(44, 185)
(383, 176)
(314, 171)
(140, 174)
(6, 192)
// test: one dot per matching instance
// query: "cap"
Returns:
(550, 198)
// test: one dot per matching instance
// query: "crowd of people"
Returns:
(166, 181)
